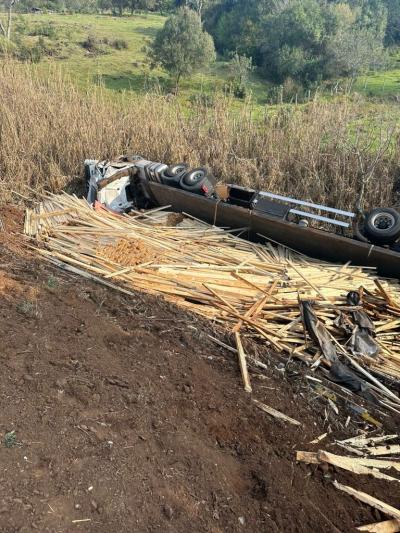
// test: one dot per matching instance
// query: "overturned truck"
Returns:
(367, 239)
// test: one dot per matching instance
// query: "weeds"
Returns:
(317, 151)
(52, 282)
(28, 308)
(44, 30)
(120, 44)
(10, 439)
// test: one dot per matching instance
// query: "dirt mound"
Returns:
(129, 253)
(127, 418)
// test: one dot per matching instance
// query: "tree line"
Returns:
(296, 41)
(306, 40)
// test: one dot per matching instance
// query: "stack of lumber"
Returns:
(251, 289)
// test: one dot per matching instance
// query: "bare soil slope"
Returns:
(127, 418)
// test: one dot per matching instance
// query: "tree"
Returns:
(120, 5)
(353, 52)
(237, 25)
(293, 41)
(104, 5)
(10, 7)
(197, 5)
(240, 67)
(134, 5)
(182, 46)
(393, 26)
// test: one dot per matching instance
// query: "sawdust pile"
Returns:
(129, 253)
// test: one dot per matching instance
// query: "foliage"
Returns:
(7, 48)
(93, 45)
(182, 46)
(32, 52)
(120, 44)
(10, 439)
(240, 67)
(44, 30)
(393, 27)
(305, 40)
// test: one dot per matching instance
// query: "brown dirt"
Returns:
(129, 418)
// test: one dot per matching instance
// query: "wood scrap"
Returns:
(363, 441)
(351, 464)
(319, 439)
(242, 363)
(275, 413)
(388, 526)
(384, 450)
(369, 500)
(249, 288)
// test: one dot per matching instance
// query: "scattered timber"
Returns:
(252, 290)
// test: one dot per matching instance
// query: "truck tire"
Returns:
(382, 225)
(198, 181)
(172, 175)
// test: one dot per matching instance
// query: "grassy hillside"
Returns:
(119, 68)
(123, 69)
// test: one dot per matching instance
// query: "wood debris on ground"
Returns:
(356, 465)
(254, 290)
(377, 467)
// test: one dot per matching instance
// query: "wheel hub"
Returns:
(383, 221)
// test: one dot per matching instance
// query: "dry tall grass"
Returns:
(48, 127)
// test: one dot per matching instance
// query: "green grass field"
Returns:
(124, 69)
(380, 84)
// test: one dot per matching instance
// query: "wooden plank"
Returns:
(242, 363)
(352, 465)
(369, 500)
(384, 450)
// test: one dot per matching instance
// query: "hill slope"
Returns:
(117, 69)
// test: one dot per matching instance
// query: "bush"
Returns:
(33, 53)
(306, 40)
(240, 91)
(94, 45)
(7, 48)
(44, 30)
(119, 44)
(202, 100)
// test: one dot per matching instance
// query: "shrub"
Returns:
(120, 44)
(33, 53)
(44, 30)
(7, 48)
(202, 100)
(94, 45)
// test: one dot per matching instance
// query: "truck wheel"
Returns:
(174, 170)
(198, 181)
(382, 225)
(172, 175)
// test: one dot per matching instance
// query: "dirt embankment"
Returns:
(127, 418)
